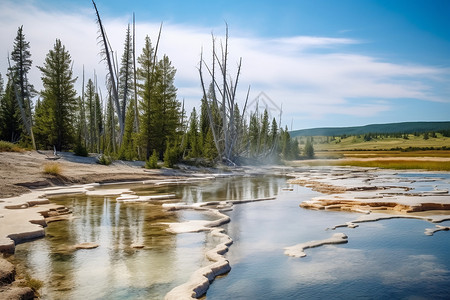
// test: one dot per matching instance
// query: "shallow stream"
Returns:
(384, 259)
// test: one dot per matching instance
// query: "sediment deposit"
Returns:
(367, 190)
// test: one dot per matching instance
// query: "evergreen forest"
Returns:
(140, 117)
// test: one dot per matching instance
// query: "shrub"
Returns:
(9, 147)
(104, 160)
(308, 151)
(80, 150)
(53, 169)
(170, 156)
(152, 162)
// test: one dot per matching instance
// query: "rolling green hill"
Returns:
(405, 127)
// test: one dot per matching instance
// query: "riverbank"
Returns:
(22, 172)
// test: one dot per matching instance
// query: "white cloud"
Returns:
(310, 83)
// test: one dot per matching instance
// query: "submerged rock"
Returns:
(298, 250)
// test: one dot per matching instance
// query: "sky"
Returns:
(319, 63)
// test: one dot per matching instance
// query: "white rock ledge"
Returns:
(200, 280)
(298, 250)
(379, 216)
(431, 231)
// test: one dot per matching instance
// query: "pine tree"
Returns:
(204, 122)
(98, 119)
(89, 96)
(193, 136)
(10, 121)
(254, 134)
(110, 127)
(23, 90)
(128, 149)
(273, 135)
(81, 129)
(1, 100)
(126, 92)
(59, 102)
(165, 111)
(145, 74)
(81, 122)
(238, 132)
(264, 134)
(209, 148)
(308, 151)
(285, 144)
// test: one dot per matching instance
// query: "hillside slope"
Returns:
(404, 127)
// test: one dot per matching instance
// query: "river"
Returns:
(138, 259)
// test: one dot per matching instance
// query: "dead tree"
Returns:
(225, 134)
(112, 75)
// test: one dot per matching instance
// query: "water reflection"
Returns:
(117, 270)
(385, 259)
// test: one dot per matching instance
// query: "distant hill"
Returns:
(405, 127)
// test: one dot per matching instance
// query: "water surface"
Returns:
(385, 259)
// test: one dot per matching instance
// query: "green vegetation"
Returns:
(152, 162)
(104, 160)
(80, 150)
(140, 114)
(390, 128)
(394, 151)
(380, 143)
(308, 151)
(10, 147)
(55, 113)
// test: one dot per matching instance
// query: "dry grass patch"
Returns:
(399, 164)
(53, 169)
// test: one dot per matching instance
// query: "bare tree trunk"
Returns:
(208, 109)
(112, 76)
(225, 135)
(136, 113)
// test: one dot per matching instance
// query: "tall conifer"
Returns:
(146, 76)
(126, 84)
(59, 100)
(10, 121)
(23, 90)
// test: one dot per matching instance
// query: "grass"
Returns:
(400, 164)
(384, 164)
(381, 153)
(353, 142)
(9, 147)
(375, 153)
(53, 169)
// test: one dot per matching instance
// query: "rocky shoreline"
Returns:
(367, 190)
(10, 288)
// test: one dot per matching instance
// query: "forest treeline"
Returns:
(389, 129)
(140, 117)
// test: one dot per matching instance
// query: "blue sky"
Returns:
(325, 63)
